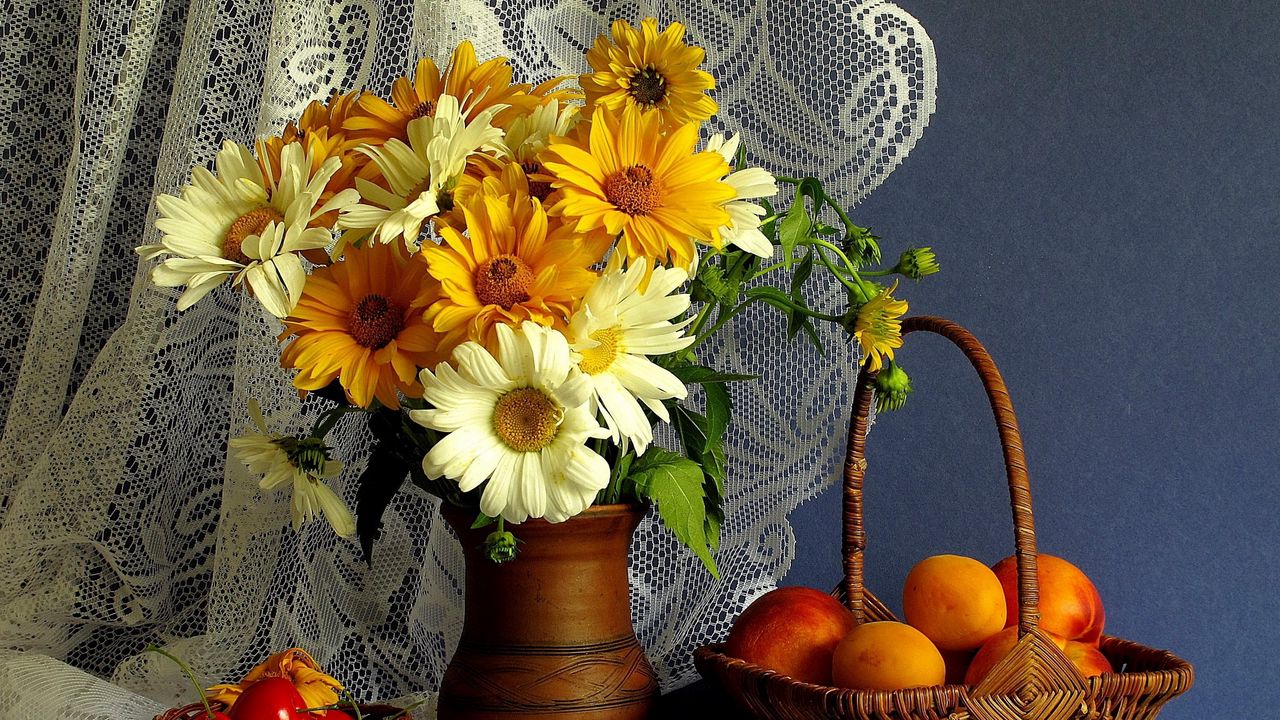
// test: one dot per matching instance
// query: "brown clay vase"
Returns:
(548, 634)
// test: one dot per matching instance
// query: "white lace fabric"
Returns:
(122, 521)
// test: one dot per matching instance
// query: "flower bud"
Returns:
(892, 387)
(500, 546)
(916, 263)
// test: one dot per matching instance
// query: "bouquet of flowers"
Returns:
(512, 283)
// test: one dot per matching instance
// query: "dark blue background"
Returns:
(1100, 180)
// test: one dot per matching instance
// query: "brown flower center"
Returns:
(375, 321)
(504, 281)
(648, 87)
(537, 188)
(633, 190)
(526, 419)
(426, 108)
(245, 226)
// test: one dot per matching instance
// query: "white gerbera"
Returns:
(517, 424)
(244, 225)
(302, 463)
(421, 173)
(744, 230)
(620, 323)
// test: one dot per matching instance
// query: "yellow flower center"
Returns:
(503, 281)
(633, 190)
(526, 419)
(648, 87)
(426, 108)
(375, 321)
(248, 224)
(600, 358)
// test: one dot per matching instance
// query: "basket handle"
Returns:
(1015, 463)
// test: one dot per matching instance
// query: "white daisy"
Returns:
(530, 134)
(303, 463)
(620, 323)
(422, 173)
(242, 224)
(517, 424)
(744, 231)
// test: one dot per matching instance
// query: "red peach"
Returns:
(793, 631)
(1088, 659)
(1069, 603)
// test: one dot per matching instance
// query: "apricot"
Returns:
(793, 631)
(887, 656)
(1069, 603)
(955, 601)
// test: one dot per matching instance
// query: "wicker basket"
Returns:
(195, 711)
(1035, 682)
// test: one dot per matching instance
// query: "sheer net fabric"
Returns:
(122, 521)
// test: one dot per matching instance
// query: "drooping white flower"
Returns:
(530, 134)
(517, 424)
(421, 173)
(620, 324)
(749, 183)
(304, 464)
(245, 225)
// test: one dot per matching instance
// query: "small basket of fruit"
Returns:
(845, 655)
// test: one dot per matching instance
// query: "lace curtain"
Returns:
(121, 521)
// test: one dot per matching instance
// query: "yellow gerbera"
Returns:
(477, 86)
(360, 321)
(626, 176)
(508, 268)
(878, 327)
(651, 71)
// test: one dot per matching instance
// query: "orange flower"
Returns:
(321, 133)
(360, 321)
(477, 86)
(511, 266)
(295, 665)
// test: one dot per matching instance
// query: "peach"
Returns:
(1087, 658)
(887, 656)
(995, 650)
(792, 630)
(1069, 603)
(957, 602)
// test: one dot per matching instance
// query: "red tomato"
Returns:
(269, 699)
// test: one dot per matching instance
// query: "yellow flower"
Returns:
(360, 321)
(649, 70)
(512, 266)
(625, 175)
(295, 665)
(477, 86)
(878, 327)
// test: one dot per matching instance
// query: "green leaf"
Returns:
(801, 275)
(794, 228)
(674, 484)
(618, 474)
(695, 374)
(483, 520)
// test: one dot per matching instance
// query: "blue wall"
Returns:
(1100, 180)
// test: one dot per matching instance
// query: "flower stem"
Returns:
(329, 418)
(208, 709)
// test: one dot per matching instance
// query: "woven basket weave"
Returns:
(1035, 682)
